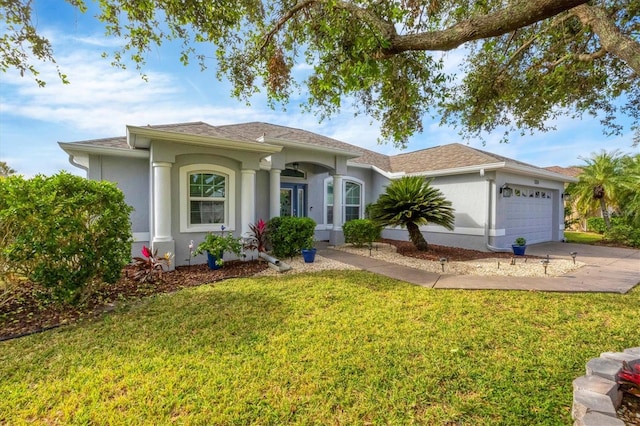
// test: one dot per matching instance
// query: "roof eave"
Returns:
(74, 148)
(477, 168)
(540, 173)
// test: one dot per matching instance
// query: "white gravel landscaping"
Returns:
(523, 267)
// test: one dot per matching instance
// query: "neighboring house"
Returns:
(185, 180)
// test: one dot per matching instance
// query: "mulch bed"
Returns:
(453, 254)
(29, 312)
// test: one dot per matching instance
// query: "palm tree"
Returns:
(600, 184)
(410, 202)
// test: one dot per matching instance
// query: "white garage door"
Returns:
(529, 214)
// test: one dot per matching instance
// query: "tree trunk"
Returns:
(416, 237)
(605, 214)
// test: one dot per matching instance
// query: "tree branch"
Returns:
(519, 14)
(611, 39)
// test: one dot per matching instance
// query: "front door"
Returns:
(293, 199)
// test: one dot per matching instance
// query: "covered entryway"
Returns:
(529, 214)
(293, 199)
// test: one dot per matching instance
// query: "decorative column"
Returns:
(162, 239)
(274, 193)
(247, 200)
(161, 201)
(336, 236)
(337, 202)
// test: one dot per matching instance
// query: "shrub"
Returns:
(64, 232)
(623, 234)
(289, 235)
(360, 232)
(596, 224)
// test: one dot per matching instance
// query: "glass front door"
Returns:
(293, 199)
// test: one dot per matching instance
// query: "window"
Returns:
(329, 203)
(206, 198)
(352, 199)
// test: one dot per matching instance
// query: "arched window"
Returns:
(206, 198)
(352, 199)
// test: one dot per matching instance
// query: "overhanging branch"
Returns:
(517, 15)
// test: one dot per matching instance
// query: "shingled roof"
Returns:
(255, 130)
(567, 171)
(443, 157)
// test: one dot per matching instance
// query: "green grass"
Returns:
(330, 348)
(582, 237)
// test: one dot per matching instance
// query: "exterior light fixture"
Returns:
(566, 196)
(296, 166)
(443, 260)
(506, 191)
(545, 263)
(573, 255)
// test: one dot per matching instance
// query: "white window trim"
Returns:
(230, 202)
(345, 179)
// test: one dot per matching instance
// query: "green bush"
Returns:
(360, 232)
(289, 235)
(596, 224)
(64, 232)
(623, 234)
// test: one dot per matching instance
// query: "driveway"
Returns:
(607, 269)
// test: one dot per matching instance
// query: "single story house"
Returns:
(185, 180)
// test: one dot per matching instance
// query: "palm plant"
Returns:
(600, 184)
(409, 202)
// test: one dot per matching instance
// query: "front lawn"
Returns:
(582, 237)
(330, 348)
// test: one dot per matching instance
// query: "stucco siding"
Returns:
(132, 177)
(468, 197)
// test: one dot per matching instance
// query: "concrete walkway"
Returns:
(607, 269)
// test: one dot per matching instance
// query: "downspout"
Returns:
(490, 183)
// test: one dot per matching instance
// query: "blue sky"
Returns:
(101, 100)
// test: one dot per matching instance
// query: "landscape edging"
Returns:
(597, 395)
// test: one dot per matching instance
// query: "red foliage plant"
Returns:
(257, 240)
(150, 267)
(629, 378)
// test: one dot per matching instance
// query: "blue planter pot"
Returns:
(211, 260)
(309, 255)
(518, 250)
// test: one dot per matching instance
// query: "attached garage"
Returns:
(529, 214)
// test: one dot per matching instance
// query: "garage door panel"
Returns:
(529, 214)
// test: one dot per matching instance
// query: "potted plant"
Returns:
(309, 252)
(216, 246)
(519, 246)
